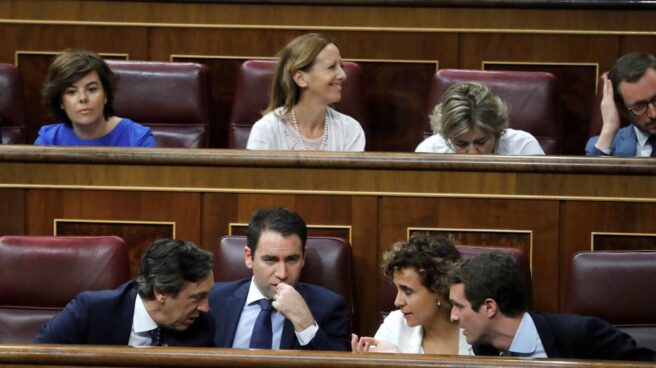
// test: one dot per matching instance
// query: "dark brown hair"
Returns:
(432, 258)
(68, 68)
(629, 68)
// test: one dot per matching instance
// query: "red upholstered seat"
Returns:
(12, 111)
(172, 99)
(41, 274)
(616, 286)
(531, 98)
(388, 292)
(254, 88)
(328, 263)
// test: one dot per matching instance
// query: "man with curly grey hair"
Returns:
(166, 304)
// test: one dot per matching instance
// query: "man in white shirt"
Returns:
(488, 297)
(272, 310)
(629, 90)
(166, 305)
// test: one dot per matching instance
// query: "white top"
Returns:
(408, 339)
(141, 324)
(512, 142)
(269, 133)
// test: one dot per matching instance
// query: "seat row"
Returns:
(183, 118)
(41, 274)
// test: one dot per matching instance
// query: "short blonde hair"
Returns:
(299, 54)
(466, 105)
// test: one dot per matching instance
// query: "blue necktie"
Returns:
(652, 141)
(155, 337)
(262, 332)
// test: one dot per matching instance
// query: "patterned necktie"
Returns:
(652, 141)
(155, 337)
(262, 332)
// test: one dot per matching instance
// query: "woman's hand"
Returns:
(367, 344)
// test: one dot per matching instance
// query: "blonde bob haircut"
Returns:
(466, 105)
(299, 54)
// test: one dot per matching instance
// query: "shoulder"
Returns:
(318, 295)
(52, 133)
(395, 318)
(344, 121)
(139, 135)
(133, 126)
(268, 120)
(225, 287)
(518, 142)
(435, 144)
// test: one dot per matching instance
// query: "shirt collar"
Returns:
(641, 136)
(254, 293)
(525, 340)
(141, 320)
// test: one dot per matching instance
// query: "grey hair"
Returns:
(168, 264)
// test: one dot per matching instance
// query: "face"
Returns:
(417, 302)
(474, 323)
(641, 92)
(180, 311)
(84, 101)
(325, 78)
(476, 141)
(276, 259)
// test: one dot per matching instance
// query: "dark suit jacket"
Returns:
(624, 143)
(105, 318)
(570, 336)
(328, 309)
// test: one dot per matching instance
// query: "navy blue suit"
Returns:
(105, 318)
(624, 144)
(569, 336)
(329, 309)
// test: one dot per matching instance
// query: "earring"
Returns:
(439, 303)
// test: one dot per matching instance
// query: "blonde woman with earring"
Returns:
(308, 79)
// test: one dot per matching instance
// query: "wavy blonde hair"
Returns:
(466, 105)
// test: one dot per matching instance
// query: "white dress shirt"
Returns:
(247, 320)
(141, 324)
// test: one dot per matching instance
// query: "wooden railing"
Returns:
(105, 356)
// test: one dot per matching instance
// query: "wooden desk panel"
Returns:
(105, 356)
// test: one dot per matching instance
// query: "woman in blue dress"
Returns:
(79, 90)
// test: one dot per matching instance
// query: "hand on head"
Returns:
(609, 114)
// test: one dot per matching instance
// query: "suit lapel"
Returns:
(626, 142)
(228, 315)
(123, 328)
(546, 334)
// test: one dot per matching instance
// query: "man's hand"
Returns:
(367, 344)
(288, 302)
(609, 115)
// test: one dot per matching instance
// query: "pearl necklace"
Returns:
(299, 138)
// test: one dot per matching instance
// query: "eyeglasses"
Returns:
(641, 108)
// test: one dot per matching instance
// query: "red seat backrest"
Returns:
(531, 98)
(41, 274)
(172, 99)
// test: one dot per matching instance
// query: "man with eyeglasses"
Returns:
(629, 90)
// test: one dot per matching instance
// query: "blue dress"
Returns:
(126, 133)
